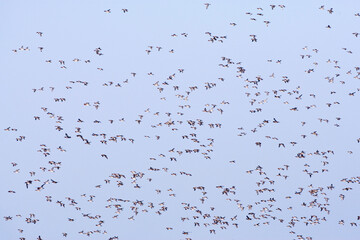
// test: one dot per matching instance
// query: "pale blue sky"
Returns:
(73, 29)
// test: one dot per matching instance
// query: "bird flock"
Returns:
(236, 129)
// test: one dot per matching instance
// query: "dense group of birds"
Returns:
(200, 189)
